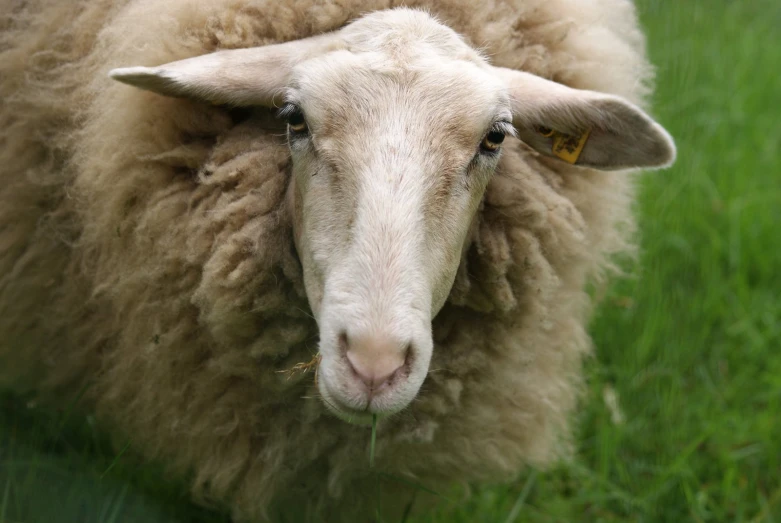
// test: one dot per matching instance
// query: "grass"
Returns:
(682, 421)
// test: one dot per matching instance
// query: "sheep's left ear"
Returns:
(585, 128)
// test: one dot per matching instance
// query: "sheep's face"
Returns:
(394, 127)
(390, 162)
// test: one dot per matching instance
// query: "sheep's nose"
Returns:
(375, 360)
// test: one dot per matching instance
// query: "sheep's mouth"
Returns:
(347, 414)
(353, 416)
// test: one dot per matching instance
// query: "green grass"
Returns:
(689, 349)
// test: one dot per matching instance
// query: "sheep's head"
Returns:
(395, 127)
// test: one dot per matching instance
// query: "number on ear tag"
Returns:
(568, 148)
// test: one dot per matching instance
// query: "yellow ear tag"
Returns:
(568, 148)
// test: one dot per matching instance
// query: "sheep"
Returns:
(198, 197)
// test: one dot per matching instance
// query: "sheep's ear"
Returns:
(240, 77)
(585, 127)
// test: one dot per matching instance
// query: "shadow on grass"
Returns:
(56, 468)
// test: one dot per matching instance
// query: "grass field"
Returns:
(688, 351)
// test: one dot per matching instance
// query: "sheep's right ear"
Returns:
(239, 77)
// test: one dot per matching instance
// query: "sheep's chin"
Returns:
(361, 419)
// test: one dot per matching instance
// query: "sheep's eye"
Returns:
(296, 122)
(295, 118)
(492, 141)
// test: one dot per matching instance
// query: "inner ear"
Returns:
(240, 114)
(626, 138)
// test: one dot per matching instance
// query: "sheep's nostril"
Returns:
(408, 355)
(344, 342)
(375, 360)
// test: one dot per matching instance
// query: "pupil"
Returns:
(495, 137)
(296, 119)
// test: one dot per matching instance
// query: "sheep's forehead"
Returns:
(345, 92)
(397, 60)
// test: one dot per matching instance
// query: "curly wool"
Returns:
(146, 253)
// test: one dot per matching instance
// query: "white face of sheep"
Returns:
(395, 127)
(390, 165)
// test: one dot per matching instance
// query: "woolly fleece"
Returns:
(146, 254)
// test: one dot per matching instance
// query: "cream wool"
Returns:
(147, 253)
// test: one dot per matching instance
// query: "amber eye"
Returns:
(492, 141)
(297, 123)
